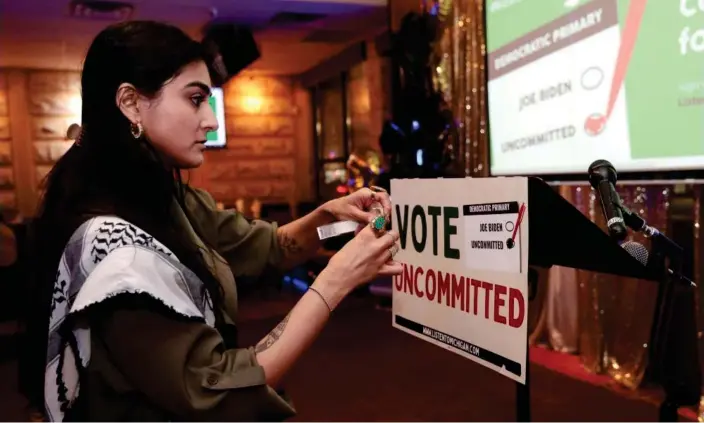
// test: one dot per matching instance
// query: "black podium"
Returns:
(559, 234)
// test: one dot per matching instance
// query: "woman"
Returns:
(142, 308)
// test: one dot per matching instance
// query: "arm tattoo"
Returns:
(289, 246)
(272, 337)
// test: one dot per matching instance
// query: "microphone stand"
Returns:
(663, 249)
(665, 259)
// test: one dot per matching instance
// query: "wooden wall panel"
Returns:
(4, 128)
(49, 152)
(260, 86)
(269, 148)
(51, 127)
(7, 178)
(15, 154)
(271, 106)
(52, 103)
(54, 81)
(41, 171)
(5, 153)
(267, 158)
(257, 147)
(3, 95)
(260, 125)
(8, 202)
(265, 169)
(269, 191)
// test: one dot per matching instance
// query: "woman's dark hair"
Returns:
(109, 172)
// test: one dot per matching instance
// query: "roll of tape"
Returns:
(338, 228)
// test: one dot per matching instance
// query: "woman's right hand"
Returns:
(363, 258)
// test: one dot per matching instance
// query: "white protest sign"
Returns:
(464, 249)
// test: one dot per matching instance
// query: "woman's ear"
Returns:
(126, 99)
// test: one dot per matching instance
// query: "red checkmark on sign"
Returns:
(596, 122)
(519, 219)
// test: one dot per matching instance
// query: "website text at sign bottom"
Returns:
(461, 345)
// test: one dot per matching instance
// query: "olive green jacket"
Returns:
(149, 365)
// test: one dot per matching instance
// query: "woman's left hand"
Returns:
(358, 206)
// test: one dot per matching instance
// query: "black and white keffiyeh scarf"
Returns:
(105, 257)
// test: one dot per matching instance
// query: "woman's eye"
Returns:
(197, 100)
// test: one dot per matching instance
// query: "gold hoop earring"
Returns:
(136, 130)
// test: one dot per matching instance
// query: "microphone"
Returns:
(637, 251)
(602, 177)
(640, 253)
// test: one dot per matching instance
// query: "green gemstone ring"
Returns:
(378, 223)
